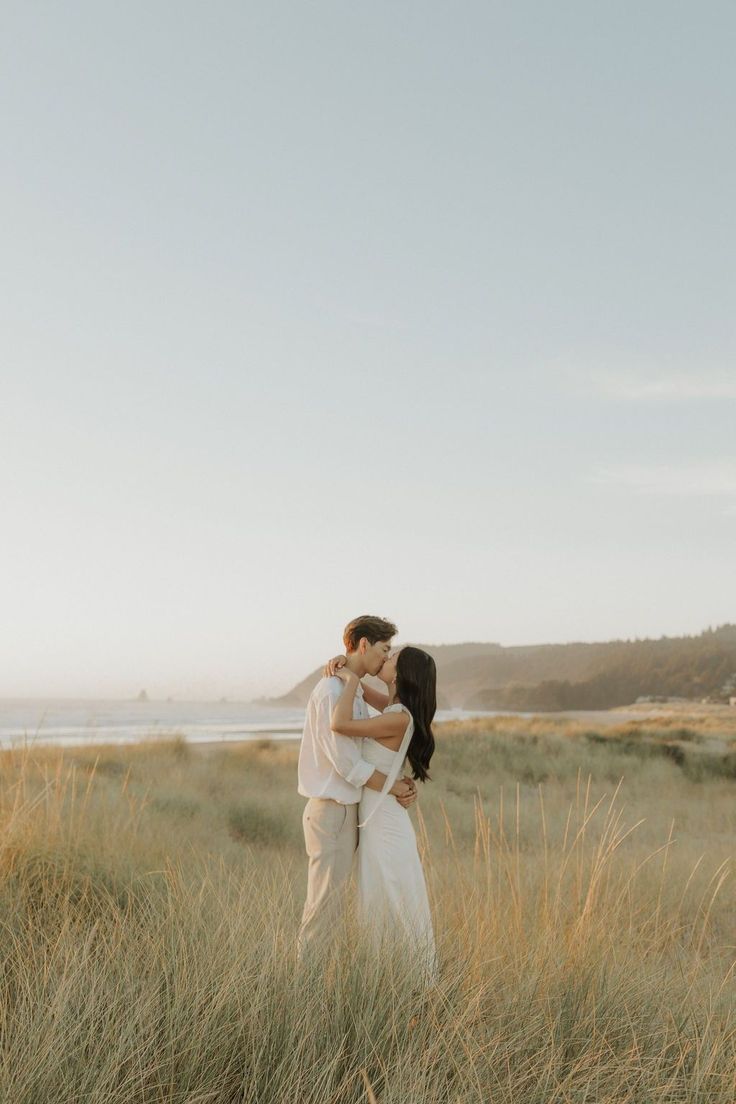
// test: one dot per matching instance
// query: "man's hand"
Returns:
(405, 791)
(333, 666)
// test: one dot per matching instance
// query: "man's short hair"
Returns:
(372, 628)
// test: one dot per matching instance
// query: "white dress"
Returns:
(392, 892)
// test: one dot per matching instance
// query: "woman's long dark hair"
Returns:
(416, 688)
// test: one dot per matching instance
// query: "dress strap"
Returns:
(400, 755)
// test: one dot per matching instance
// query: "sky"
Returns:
(311, 310)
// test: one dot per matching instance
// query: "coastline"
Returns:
(216, 725)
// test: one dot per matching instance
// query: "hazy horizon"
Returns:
(162, 695)
(316, 311)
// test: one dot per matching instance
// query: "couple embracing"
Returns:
(353, 769)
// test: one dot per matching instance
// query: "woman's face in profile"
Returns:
(387, 673)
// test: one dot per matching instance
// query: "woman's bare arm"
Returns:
(375, 699)
(389, 727)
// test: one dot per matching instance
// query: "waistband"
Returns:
(334, 801)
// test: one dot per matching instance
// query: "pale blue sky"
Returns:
(310, 310)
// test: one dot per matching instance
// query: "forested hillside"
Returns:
(578, 675)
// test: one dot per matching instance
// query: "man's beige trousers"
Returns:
(331, 837)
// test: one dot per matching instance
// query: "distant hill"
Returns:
(573, 676)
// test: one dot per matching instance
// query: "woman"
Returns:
(392, 892)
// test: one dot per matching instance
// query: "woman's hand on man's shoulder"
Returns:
(333, 666)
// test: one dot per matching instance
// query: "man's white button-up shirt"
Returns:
(330, 765)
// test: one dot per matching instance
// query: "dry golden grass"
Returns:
(581, 889)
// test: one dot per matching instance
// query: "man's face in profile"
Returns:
(375, 655)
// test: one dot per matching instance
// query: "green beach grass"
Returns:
(582, 891)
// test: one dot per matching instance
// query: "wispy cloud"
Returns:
(714, 479)
(675, 387)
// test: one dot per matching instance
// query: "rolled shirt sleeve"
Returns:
(342, 751)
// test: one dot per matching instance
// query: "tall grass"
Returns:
(583, 905)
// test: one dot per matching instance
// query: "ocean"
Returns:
(66, 723)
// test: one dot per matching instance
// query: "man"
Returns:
(332, 774)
